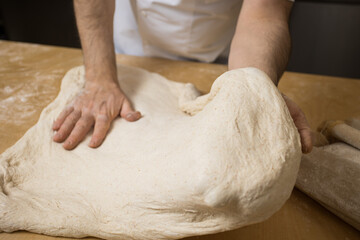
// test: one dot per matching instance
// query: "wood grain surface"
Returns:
(30, 77)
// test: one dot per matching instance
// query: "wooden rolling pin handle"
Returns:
(353, 122)
(341, 131)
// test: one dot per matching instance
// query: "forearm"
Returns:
(262, 39)
(94, 20)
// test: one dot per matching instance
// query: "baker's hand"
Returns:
(98, 105)
(301, 123)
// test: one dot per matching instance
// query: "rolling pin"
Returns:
(331, 175)
(354, 122)
(340, 130)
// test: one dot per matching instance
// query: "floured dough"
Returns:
(190, 166)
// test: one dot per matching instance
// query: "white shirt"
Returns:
(175, 29)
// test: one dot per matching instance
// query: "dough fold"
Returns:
(191, 165)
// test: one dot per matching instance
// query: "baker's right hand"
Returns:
(97, 105)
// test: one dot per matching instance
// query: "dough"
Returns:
(192, 165)
(331, 175)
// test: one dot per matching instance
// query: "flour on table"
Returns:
(191, 165)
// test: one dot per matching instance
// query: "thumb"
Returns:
(128, 112)
(301, 124)
(304, 131)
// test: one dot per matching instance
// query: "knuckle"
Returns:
(103, 108)
(75, 115)
(102, 118)
(85, 110)
(82, 127)
(68, 109)
(67, 126)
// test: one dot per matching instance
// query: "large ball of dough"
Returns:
(190, 166)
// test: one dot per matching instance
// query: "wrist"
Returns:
(270, 71)
(103, 84)
(98, 75)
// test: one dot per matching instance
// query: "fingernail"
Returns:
(129, 115)
(305, 150)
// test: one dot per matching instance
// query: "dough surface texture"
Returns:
(191, 165)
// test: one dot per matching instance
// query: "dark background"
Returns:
(325, 34)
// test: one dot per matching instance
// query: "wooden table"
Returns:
(30, 77)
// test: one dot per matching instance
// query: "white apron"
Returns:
(175, 29)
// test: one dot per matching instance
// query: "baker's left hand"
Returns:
(301, 124)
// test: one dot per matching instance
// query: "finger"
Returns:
(128, 112)
(306, 141)
(82, 127)
(61, 118)
(102, 125)
(304, 131)
(67, 126)
(301, 124)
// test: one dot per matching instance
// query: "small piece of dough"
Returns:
(231, 160)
